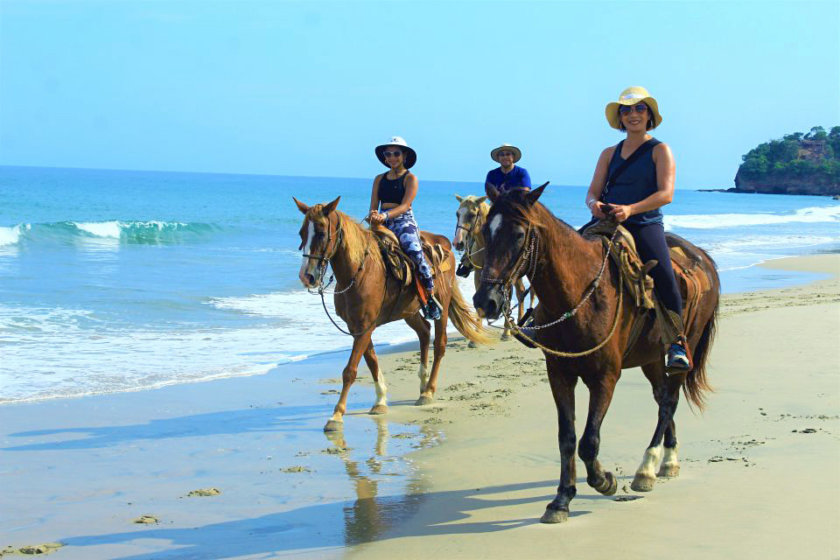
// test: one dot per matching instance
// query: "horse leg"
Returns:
(600, 396)
(563, 391)
(348, 376)
(381, 404)
(666, 393)
(427, 395)
(423, 330)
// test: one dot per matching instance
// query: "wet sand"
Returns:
(466, 477)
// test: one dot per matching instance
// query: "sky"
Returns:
(310, 88)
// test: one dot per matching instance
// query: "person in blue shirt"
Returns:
(508, 175)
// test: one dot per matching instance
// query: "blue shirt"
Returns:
(517, 177)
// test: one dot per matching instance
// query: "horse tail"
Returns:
(696, 384)
(467, 322)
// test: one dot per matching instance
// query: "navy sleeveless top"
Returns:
(635, 183)
(391, 191)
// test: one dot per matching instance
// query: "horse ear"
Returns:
(459, 198)
(331, 206)
(493, 193)
(301, 206)
(535, 194)
(481, 199)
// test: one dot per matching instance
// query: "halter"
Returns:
(529, 253)
(470, 235)
(323, 259)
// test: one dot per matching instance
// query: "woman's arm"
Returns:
(666, 172)
(599, 179)
(374, 199)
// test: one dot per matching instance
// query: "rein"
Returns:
(524, 256)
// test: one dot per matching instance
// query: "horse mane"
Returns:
(537, 215)
(357, 238)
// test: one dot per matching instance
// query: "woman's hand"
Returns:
(376, 218)
(599, 210)
(621, 212)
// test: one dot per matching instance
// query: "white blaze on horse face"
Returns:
(458, 231)
(495, 224)
(306, 267)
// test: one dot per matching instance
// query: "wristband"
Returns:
(386, 215)
(590, 202)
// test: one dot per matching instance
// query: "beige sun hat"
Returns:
(632, 96)
(517, 153)
(399, 142)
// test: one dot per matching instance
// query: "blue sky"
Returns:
(309, 88)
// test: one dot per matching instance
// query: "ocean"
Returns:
(124, 280)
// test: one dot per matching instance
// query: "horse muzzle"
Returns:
(489, 300)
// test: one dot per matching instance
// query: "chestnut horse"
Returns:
(587, 331)
(471, 217)
(366, 296)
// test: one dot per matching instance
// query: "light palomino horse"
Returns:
(366, 296)
(471, 217)
(584, 326)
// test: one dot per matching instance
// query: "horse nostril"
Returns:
(310, 280)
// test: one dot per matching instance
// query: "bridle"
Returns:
(528, 254)
(470, 235)
(328, 253)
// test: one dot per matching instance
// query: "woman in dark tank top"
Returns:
(390, 205)
(634, 197)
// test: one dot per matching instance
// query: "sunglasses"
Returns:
(503, 154)
(395, 153)
(627, 109)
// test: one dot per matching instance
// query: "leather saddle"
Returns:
(400, 266)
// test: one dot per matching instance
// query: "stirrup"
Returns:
(432, 309)
(525, 328)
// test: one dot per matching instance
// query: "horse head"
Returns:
(471, 211)
(508, 234)
(319, 239)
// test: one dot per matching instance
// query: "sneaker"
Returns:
(677, 358)
(432, 310)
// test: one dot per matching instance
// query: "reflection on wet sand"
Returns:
(371, 515)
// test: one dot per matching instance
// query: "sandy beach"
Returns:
(466, 477)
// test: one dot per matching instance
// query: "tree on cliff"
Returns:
(796, 156)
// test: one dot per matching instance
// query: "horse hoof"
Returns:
(424, 400)
(609, 486)
(504, 337)
(379, 409)
(642, 483)
(554, 516)
(669, 471)
(472, 345)
(333, 426)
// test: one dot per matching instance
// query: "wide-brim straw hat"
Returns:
(632, 96)
(408, 153)
(517, 153)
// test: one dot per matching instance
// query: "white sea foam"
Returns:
(815, 214)
(10, 235)
(101, 229)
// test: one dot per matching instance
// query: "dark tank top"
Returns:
(391, 191)
(635, 183)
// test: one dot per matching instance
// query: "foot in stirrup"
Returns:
(432, 309)
(678, 359)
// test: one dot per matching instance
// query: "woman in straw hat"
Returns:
(390, 204)
(507, 176)
(632, 181)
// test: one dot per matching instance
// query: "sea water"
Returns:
(120, 280)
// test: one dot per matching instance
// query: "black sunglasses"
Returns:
(639, 108)
(395, 153)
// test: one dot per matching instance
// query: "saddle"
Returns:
(400, 266)
(691, 279)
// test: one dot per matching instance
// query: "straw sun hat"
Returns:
(398, 142)
(517, 153)
(632, 96)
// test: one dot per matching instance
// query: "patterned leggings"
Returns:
(405, 228)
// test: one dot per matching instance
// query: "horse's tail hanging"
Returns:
(467, 322)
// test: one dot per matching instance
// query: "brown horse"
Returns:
(471, 217)
(366, 296)
(522, 236)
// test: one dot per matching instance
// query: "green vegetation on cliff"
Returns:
(799, 163)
